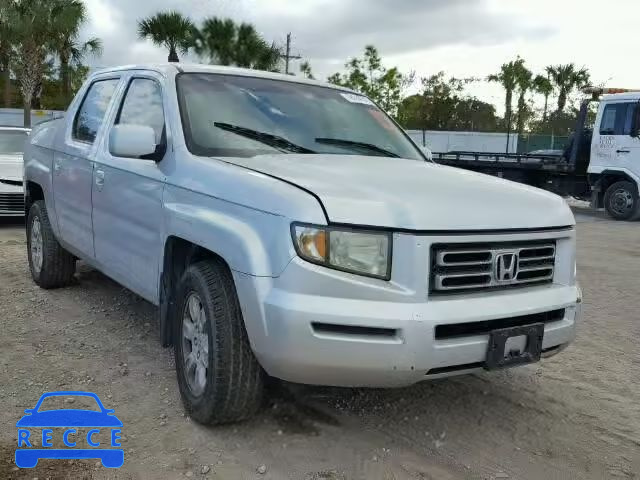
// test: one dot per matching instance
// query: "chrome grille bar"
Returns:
(457, 268)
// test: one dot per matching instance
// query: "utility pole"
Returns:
(287, 57)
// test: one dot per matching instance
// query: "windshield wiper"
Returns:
(362, 145)
(263, 137)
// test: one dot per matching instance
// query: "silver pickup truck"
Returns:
(290, 228)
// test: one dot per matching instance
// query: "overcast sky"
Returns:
(461, 37)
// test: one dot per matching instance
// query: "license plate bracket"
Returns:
(497, 358)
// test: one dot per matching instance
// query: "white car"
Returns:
(12, 141)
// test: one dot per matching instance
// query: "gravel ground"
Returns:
(576, 415)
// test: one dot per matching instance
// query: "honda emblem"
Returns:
(506, 267)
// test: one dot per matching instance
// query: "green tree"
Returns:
(171, 30)
(305, 69)
(216, 40)
(558, 123)
(508, 78)
(68, 47)
(566, 79)
(6, 47)
(544, 87)
(443, 105)
(524, 83)
(369, 76)
(35, 25)
(223, 42)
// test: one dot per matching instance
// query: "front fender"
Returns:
(251, 241)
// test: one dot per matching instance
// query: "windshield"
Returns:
(235, 116)
(12, 141)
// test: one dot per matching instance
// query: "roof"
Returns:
(621, 97)
(175, 68)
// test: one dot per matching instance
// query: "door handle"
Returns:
(100, 179)
(56, 166)
(623, 151)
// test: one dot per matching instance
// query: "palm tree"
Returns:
(544, 87)
(216, 40)
(35, 25)
(566, 78)
(69, 49)
(171, 29)
(524, 82)
(224, 42)
(6, 48)
(507, 77)
(305, 69)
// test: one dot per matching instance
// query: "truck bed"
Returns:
(481, 161)
(549, 172)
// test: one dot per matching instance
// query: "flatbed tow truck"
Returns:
(600, 164)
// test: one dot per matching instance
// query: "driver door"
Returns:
(614, 146)
(127, 193)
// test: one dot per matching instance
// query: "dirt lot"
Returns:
(576, 415)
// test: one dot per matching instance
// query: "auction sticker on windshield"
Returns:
(87, 431)
(354, 98)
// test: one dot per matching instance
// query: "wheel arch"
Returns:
(178, 254)
(602, 181)
(32, 193)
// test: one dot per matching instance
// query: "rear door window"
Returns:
(92, 111)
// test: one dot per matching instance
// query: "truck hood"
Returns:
(413, 195)
(11, 167)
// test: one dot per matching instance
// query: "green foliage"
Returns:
(566, 79)
(524, 81)
(33, 35)
(223, 42)
(544, 87)
(171, 30)
(369, 76)
(442, 105)
(68, 47)
(35, 28)
(305, 69)
(508, 78)
(558, 123)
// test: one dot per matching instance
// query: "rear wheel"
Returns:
(621, 200)
(51, 265)
(219, 378)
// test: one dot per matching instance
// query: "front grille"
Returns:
(457, 268)
(469, 329)
(15, 183)
(12, 202)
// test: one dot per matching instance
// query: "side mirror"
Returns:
(132, 141)
(635, 123)
(427, 153)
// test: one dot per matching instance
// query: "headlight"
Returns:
(351, 250)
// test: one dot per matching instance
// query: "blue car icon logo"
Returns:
(28, 453)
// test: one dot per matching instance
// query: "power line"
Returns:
(287, 56)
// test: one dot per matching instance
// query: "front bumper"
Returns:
(306, 326)
(11, 199)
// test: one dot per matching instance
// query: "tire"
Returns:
(231, 387)
(621, 200)
(51, 265)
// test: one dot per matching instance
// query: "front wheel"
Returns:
(51, 265)
(621, 200)
(219, 378)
